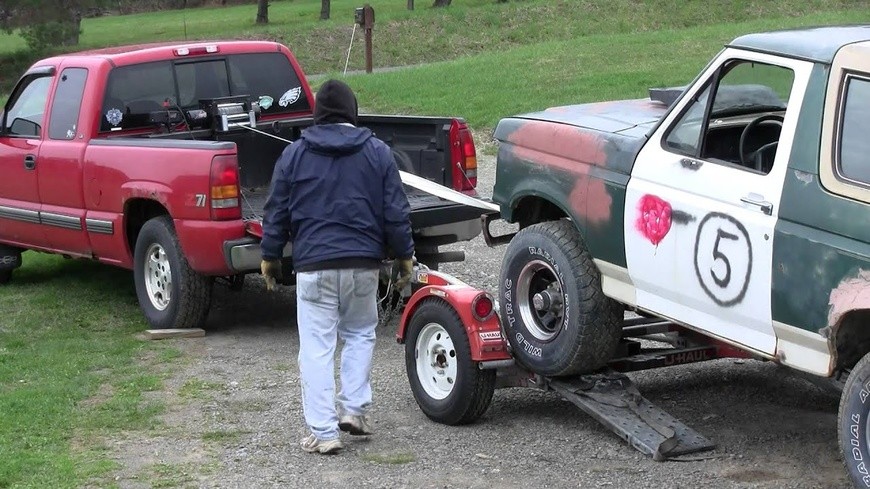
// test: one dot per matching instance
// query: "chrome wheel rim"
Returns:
(540, 300)
(436, 361)
(158, 277)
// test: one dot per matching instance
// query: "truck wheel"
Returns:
(170, 294)
(10, 259)
(447, 384)
(854, 429)
(557, 319)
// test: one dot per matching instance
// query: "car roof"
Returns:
(143, 53)
(818, 44)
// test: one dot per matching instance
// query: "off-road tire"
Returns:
(852, 423)
(5, 276)
(473, 388)
(591, 323)
(190, 297)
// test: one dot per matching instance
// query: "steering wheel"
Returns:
(758, 153)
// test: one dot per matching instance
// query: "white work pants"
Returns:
(330, 303)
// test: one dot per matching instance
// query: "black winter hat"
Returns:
(335, 103)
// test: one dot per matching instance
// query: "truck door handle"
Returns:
(758, 201)
(690, 164)
(29, 162)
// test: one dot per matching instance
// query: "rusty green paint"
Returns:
(821, 239)
(555, 155)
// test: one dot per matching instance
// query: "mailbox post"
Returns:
(365, 18)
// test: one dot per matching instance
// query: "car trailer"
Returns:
(456, 355)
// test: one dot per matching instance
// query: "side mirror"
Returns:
(24, 127)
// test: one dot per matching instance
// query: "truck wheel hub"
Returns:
(539, 296)
(436, 361)
(158, 277)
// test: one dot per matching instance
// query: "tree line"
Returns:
(48, 23)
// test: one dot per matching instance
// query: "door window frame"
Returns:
(849, 63)
(26, 79)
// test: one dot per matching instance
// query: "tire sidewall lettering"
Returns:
(854, 432)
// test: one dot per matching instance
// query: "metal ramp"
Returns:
(612, 399)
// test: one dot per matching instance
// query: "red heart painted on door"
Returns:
(654, 219)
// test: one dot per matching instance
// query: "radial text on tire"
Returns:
(853, 423)
(447, 384)
(170, 293)
(557, 319)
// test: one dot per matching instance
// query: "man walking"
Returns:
(337, 194)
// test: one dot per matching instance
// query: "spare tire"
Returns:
(556, 317)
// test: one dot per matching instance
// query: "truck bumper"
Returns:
(244, 255)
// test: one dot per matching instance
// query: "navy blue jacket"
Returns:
(337, 194)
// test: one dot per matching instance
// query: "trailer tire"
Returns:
(170, 293)
(853, 423)
(447, 384)
(556, 317)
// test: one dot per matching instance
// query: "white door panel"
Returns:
(699, 245)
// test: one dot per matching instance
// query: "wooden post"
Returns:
(368, 23)
(410, 4)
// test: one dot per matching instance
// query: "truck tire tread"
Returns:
(597, 319)
(192, 297)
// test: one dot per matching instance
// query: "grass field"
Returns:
(72, 371)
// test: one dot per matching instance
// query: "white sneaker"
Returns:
(356, 425)
(312, 445)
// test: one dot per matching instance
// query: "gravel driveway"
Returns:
(235, 418)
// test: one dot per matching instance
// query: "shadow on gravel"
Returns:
(253, 307)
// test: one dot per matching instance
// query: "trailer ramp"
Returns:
(612, 399)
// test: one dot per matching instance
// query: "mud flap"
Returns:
(612, 399)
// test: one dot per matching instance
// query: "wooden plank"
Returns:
(160, 334)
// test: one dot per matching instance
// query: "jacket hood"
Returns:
(336, 139)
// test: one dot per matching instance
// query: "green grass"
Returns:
(489, 86)
(71, 371)
(403, 37)
(199, 389)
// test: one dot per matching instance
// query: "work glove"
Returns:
(406, 268)
(271, 273)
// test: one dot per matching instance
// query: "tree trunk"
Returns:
(410, 4)
(73, 30)
(262, 11)
(324, 9)
(441, 3)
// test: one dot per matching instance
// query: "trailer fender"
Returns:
(485, 337)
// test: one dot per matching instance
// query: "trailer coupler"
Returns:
(612, 399)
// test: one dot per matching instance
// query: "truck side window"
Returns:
(685, 136)
(133, 92)
(24, 115)
(854, 145)
(741, 125)
(67, 102)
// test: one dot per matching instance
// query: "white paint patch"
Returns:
(803, 176)
(852, 293)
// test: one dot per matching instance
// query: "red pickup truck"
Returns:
(158, 159)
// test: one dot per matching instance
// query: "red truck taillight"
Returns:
(224, 183)
(463, 157)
